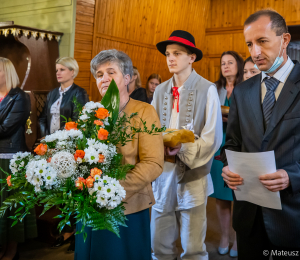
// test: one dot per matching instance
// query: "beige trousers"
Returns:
(165, 229)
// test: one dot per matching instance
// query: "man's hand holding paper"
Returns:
(276, 181)
(232, 179)
(254, 178)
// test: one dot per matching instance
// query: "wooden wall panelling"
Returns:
(225, 26)
(135, 27)
(84, 29)
(227, 13)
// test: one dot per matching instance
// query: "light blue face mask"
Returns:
(278, 61)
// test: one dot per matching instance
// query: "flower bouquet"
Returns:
(78, 169)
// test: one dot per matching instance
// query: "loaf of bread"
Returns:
(174, 137)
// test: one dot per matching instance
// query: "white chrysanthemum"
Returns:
(97, 177)
(84, 117)
(106, 179)
(50, 177)
(64, 164)
(30, 170)
(91, 142)
(37, 180)
(114, 203)
(98, 186)
(109, 190)
(91, 155)
(41, 167)
(18, 161)
(73, 133)
(63, 135)
(89, 106)
(37, 188)
(102, 200)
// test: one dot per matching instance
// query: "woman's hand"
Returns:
(224, 118)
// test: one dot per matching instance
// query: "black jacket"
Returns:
(139, 94)
(14, 112)
(67, 107)
(245, 133)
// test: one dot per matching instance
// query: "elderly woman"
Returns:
(146, 152)
(14, 112)
(60, 100)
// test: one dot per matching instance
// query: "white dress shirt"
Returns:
(55, 111)
(173, 196)
(281, 75)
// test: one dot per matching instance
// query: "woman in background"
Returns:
(249, 69)
(60, 102)
(14, 112)
(135, 89)
(231, 74)
(153, 81)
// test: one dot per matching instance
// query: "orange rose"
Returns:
(96, 171)
(90, 182)
(102, 134)
(49, 159)
(98, 122)
(102, 113)
(8, 180)
(79, 183)
(41, 149)
(71, 125)
(101, 158)
(79, 154)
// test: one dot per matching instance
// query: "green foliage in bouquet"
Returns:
(78, 169)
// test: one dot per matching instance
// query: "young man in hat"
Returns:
(185, 101)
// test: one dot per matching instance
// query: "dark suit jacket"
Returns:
(67, 107)
(14, 112)
(245, 133)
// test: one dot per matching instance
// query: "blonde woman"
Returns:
(14, 111)
(60, 100)
(153, 81)
(134, 87)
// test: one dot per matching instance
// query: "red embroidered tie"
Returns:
(176, 96)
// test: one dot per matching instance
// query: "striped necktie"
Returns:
(269, 100)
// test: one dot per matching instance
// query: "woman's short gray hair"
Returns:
(122, 59)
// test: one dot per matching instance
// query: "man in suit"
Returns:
(265, 116)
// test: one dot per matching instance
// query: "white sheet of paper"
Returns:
(250, 166)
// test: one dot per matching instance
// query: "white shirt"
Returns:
(281, 75)
(55, 111)
(173, 196)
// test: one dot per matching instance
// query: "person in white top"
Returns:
(190, 101)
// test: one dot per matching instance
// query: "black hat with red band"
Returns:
(183, 38)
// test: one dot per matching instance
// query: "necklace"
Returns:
(124, 106)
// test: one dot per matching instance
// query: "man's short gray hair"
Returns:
(122, 59)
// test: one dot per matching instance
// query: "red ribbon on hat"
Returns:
(176, 96)
(181, 40)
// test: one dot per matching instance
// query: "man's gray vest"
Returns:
(192, 106)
